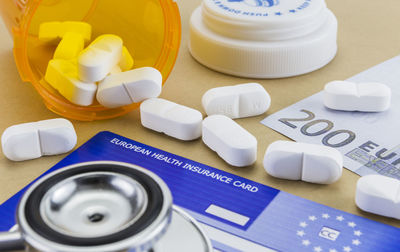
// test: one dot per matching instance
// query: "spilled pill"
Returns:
(63, 76)
(237, 101)
(54, 31)
(97, 60)
(174, 120)
(232, 143)
(301, 161)
(33, 140)
(70, 46)
(129, 87)
(349, 96)
(379, 195)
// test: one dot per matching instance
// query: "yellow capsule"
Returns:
(126, 62)
(70, 46)
(49, 31)
(63, 76)
(54, 31)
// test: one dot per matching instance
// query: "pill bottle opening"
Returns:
(150, 30)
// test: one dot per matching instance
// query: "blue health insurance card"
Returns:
(236, 213)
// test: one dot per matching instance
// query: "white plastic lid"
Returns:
(264, 20)
(280, 38)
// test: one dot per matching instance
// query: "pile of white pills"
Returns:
(219, 132)
(103, 71)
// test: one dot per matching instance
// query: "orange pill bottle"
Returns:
(151, 31)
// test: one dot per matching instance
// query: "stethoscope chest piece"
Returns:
(102, 206)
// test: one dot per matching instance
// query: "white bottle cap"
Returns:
(263, 38)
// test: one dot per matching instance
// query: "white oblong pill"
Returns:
(232, 143)
(300, 161)
(99, 58)
(239, 101)
(33, 140)
(174, 120)
(379, 195)
(129, 87)
(349, 96)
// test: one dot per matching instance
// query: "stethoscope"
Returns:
(100, 207)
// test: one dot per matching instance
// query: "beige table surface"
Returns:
(368, 34)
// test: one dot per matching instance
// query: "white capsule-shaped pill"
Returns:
(301, 161)
(172, 119)
(33, 140)
(379, 195)
(349, 96)
(99, 58)
(120, 89)
(232, 143)
(237, 101)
